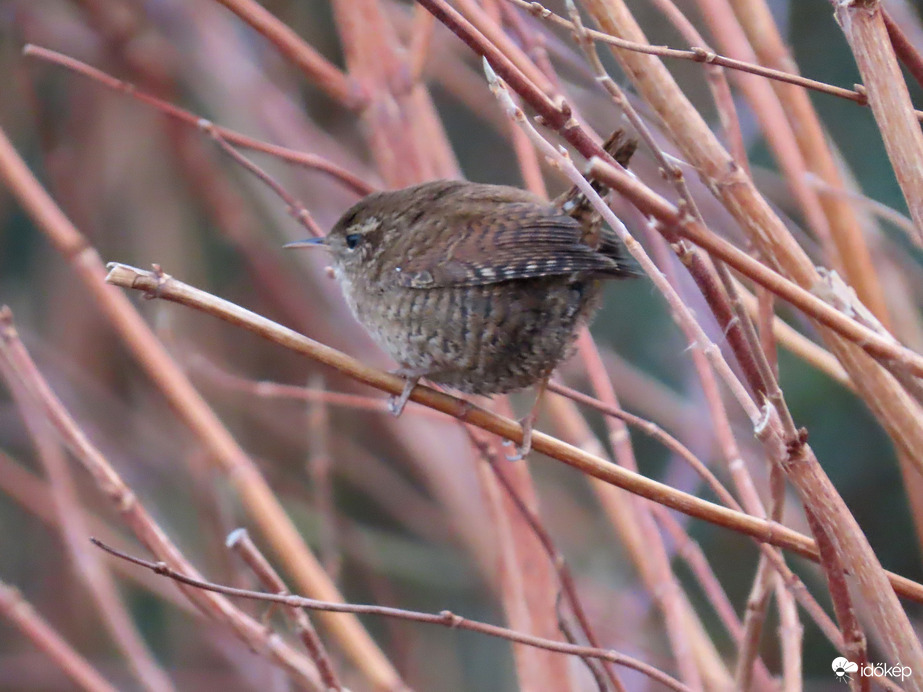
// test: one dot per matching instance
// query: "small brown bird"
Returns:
(480, 288)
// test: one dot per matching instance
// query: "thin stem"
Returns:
(320, 71)
(134, 515)
(168, 288)
(310, 161)
(647, 201)
(444, 618)
(23, 616)
(566, 579)
(702, 55)
(297, 210)
(240, 542)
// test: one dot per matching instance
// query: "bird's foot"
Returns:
(526, 446)
(527, 422)
(397, 403)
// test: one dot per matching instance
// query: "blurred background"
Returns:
(394, 508)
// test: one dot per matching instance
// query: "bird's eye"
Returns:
(352, 240)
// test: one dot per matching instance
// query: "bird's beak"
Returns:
(310, 242)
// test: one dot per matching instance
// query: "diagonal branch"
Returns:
(865, 29)
(168, 288)
(445, 618)
(295, 49)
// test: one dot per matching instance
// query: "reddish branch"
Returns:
(445, 618)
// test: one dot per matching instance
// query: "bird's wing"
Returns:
(506, 242)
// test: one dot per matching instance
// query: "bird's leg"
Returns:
(411, 377)
(527, 422)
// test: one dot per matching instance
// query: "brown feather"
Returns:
(496, 239)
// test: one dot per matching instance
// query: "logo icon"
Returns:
(842, 668)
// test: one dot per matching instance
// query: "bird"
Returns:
(476, 287)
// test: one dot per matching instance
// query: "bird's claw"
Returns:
(526, 446)
(396, 404)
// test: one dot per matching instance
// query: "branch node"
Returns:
(162, 279)
(704, 55)
(451, 619)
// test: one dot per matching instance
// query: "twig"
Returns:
(445, 618)
(254, 491)
(566, 579)
(294, 207)
(323, 73)
(78, 670)
(310, 161)
(239, 541)
(139, 521)
(168, 288)
(702, 55)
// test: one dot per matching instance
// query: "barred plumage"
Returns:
(476, 235)
(477, 287)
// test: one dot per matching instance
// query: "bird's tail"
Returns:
(596, 234)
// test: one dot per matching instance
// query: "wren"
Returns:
(480, 288)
